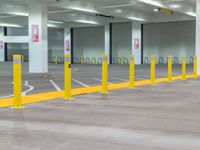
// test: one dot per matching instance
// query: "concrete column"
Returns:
(136, 41)
(38, 48)
(2, 48)
(197, 50)
(67, 41)
(107, 41)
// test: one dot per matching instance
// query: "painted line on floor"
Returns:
(41, 97)
(100, 80)
(55, 85)
(120, 79)
(81, 83)
(31, 88)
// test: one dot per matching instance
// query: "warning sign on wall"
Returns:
(35, 33)
(67, 45)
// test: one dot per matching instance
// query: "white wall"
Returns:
(122, 39)
(163, 39)
(88, 42)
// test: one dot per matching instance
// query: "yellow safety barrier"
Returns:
(153, 70)
(104, 73)
(122, 60)
(169, 68)
(132, 72)
(22, 58)
(94, 61)
(195, 67)
(17, 81)
(67, 78)
(82, 60)
(184, 68)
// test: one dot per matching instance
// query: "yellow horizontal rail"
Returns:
(35, 98)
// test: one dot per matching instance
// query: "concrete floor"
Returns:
(83, 75)
(160, 117)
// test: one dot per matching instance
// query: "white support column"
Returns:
(107, 41)
(2, 48)
(38, 48)
(197, 50)
(136, 41)
(67, 41)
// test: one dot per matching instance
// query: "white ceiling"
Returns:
(78, 13)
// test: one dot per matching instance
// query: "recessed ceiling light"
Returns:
(118, 11)
(175, 6)
(155, 10)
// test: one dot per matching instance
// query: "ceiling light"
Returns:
(191, 14)
(19, 14)
(86, 21)
(152, 2)
(57, 22)
(118, 11)
(156, 10)
(10, 25)
(175, 6)
(137, 19)
(83, 9)
(51, 25)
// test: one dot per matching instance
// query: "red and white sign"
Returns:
(35, 33)
(1, 45)
(136, 43)
(67, 45)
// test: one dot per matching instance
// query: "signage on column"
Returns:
(67, 47)
(1, 45)
(35, 33)
(136, 43)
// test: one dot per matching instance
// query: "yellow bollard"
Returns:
(169, 68)
(153, 70)
(122, 60)
(104, 74)
(17, 81)
(132, 72)
(183, 68)
(67, 78)
(195, 67)
(82, 60)
(22, 58)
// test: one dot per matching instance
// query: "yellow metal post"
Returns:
(169, 68)
(195, 67)
(67, 78)
(17, 81)
(22, 58)
(104, 74)
(153, 70)
(183, 68)
(132, 72)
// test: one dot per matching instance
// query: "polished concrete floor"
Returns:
(159, 117)
(83, 76)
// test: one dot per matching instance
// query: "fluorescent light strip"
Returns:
(137, 19)
(86, 21)
(19, 14)
(9, 25)
(152, 2)
(116, 6)
(57, 22)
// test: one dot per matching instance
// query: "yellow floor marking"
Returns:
(7, 102)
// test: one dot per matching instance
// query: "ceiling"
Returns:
(79, 13)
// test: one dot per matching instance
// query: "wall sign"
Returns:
(136, 43)
(1, 45)
(67, 45)
(35, 33)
